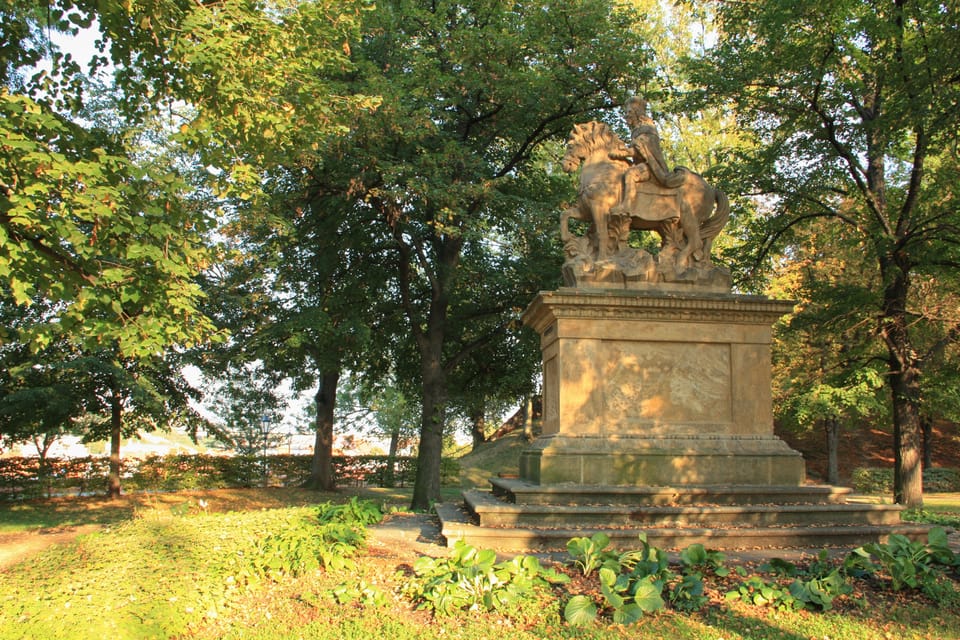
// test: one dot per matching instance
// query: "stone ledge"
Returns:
(457, 525)
(523, 492)
(568, 303)
(492, 512)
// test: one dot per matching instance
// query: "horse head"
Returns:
(587, 140)
(575, 153)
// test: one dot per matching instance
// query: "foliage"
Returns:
(928, 516)
(24, 478)
(354, 512)
(305, 544)
(359, 592)
(472, 579)
(112, 244)
(815, 588)
(853, 120)
(590, 554)
(185, 572)
(449, 174)
(245, 404)
(696, 557)
(879, 481)
(908, 563)
(165, 575)
(634, 583)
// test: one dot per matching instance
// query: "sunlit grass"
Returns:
(175, 565)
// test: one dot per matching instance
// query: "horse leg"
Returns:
(603, 233)
(691, 229)
(572, 212)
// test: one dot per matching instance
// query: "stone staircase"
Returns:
(519, 515)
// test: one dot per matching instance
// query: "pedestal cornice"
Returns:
(567, 303)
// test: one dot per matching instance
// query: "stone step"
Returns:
(494, 512)
(457, 523)
(523, 492)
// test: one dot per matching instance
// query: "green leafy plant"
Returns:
(780, 567)
(354, 512)
(631, 583)
(307, 544)
(932, 517)
(698, 558)
(757, 591)
(687, 594)
(818, 592)
(813, 588)
(589, 554)
(908, 563)
(359, 592)
(471, 578)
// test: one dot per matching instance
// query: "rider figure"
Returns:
(645, 152)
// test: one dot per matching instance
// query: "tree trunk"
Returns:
(43, 450)
(926, 428)
(904, 376)
(426, 487)
(390, 477)
(478, 425)
(907, 471)
(321, 468)
(116, 424)
(832, 427)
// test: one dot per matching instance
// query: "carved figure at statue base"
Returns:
(626, 188)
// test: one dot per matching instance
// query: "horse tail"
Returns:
(710, 228)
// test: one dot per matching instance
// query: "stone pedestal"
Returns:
(647, 388)
(657, 420)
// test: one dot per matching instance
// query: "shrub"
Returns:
(880, 481)
(814, 588)
(23, 478)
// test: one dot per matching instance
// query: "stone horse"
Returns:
(687, 221)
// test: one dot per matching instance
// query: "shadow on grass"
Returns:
(728, 621)
(73, 511)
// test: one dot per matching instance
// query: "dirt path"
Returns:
(17, 547)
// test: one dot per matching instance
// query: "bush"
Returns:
(874, 480)
(939, 479)
(23, 478)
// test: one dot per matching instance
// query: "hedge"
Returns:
(874, 480)
(23, 478)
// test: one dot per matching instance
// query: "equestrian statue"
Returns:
(629, 187)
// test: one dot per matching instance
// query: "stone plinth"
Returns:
(646, 388)
(657, 419)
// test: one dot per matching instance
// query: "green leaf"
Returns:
(580, 611)
(648, 597)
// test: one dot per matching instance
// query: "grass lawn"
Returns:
(198, 565)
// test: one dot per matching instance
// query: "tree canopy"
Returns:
(852, 106)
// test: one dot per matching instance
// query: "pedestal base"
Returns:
(662, 461)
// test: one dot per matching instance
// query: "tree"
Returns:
(470, 91)
(245, 402)
(62, 388)
(84, 223)
(381, 408)
(853, 108)
(825, 355)
(265, 82)
(40, 396)
(95, 231)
